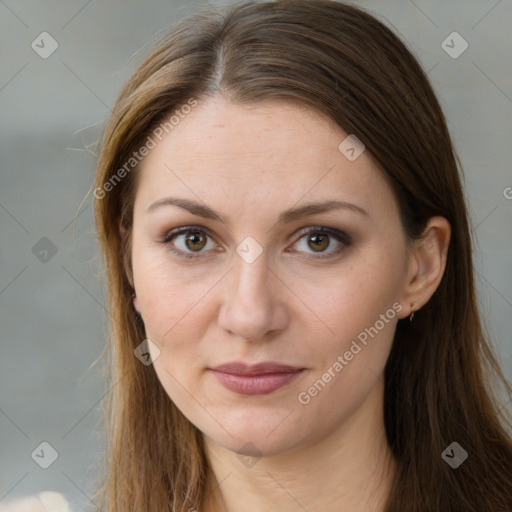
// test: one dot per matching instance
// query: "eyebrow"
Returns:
(290, 215)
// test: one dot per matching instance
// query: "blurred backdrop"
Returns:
(62, 66)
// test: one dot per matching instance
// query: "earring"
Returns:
(412, 314)
(138, 316)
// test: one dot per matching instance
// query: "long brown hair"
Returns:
(441, 378)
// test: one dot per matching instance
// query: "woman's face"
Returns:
(248, 282)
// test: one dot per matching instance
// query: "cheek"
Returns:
(167, 293)
(359, 311)
(352, 362)
(355, 297)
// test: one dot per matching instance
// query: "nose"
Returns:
(253, 306)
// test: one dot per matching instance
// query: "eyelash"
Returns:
(340, 236)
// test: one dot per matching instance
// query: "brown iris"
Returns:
(320, 241)
(194, 237)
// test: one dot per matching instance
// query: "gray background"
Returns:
(52, 112)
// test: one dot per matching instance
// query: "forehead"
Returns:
(271, 150)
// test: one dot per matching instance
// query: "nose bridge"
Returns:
(252, 275)
(250, 305)
(251, 282)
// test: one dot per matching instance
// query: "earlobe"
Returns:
(135, 303)
(428, 256)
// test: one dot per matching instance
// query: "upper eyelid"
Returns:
(184, 229)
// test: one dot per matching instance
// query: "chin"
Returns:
(257, 437)
(258, 446)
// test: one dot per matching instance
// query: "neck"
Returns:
(349, 470)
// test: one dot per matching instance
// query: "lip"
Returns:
(238, 368)
(259, 379)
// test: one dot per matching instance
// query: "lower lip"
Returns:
(262, 384)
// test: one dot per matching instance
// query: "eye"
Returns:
(188, 242)
(318, 239)
(193, 239)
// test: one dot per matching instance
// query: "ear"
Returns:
(426, 265)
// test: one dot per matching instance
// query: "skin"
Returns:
(249, 163)
(42, 502)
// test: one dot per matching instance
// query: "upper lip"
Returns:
(256, 369)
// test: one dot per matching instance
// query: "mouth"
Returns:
(260, 379)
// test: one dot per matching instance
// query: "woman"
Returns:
(288, 258)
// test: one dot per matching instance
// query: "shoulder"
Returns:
(46, 501)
